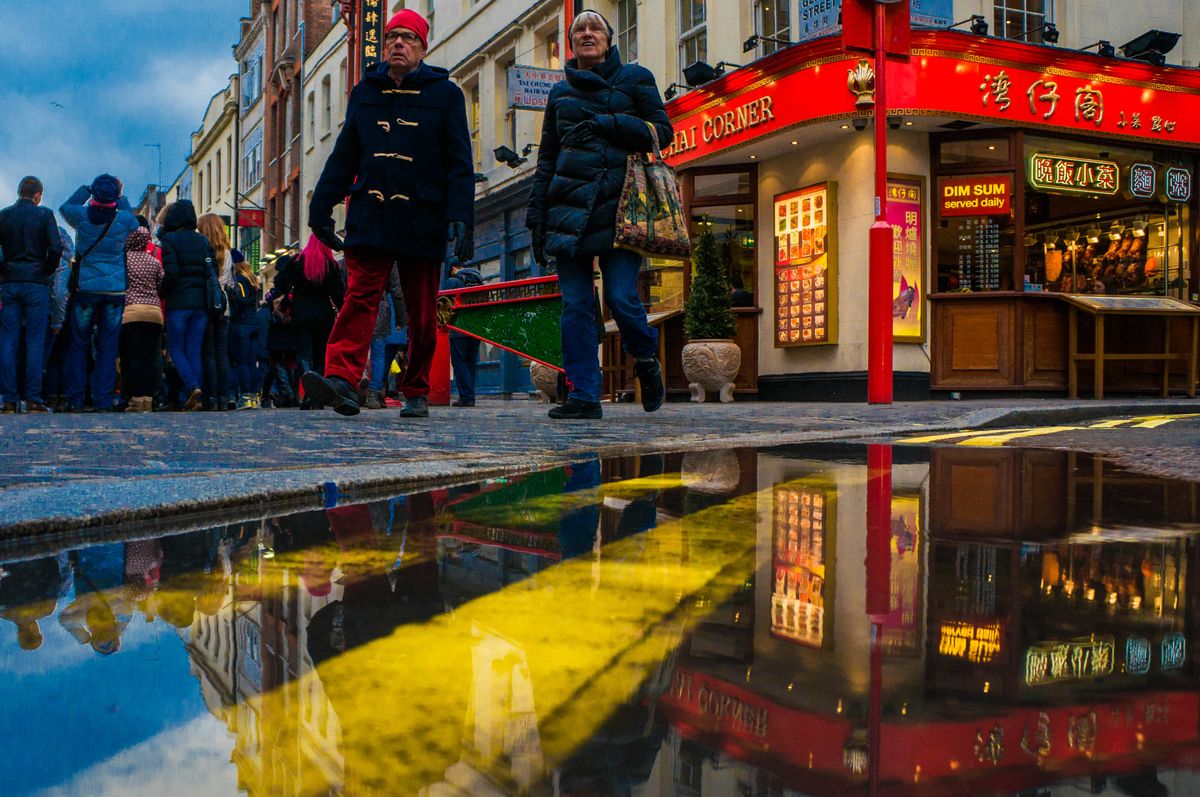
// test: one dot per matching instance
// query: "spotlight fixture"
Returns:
(527, 149)
(508, 157)
(1139, 226)
(1049, 33)
(894, 122)
(1151, 47)
(979, 25)
(672, 91)
(859, 123)
(698, 74)
(753, 41)
(1092, 234)
(723, 66)
(1114, 232)
(1103, 48)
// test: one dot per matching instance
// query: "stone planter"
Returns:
(711, 364)
(714, 472)
(545, 380)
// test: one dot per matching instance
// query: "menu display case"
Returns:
(803, 526)
(805, 224)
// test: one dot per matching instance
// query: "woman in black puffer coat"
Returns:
(187, 262)
(595, 119)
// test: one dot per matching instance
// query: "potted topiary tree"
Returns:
(710, 358)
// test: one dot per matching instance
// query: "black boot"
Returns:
(577, 410)
(331, 392)
(649, 376)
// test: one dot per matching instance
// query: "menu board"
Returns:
(906, 215)
(978, 252)
(803, 520)
(805, 267)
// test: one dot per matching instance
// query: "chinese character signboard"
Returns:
(805, 267)
(1142, 178)
(906, 215)
(370, 34)
(902, 623)
(1178, 184)
(529, 87)
(819, 18)
(1072, 175)
(932, 13)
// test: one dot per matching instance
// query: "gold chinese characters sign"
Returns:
(805, 225)
(906, 215)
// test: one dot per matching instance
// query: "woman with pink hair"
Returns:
(317, 286)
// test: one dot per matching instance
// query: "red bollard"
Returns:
(439, 373)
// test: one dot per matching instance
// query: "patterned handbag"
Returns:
(650, 218)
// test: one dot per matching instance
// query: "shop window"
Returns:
(693, 34)
(772, 18)
(733, 228)
(627, 30)
(1093, 226)
(721, 185)
(965, 152)
(1016, 18)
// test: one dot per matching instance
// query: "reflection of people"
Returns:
(101, 609)
(738, 295)
(577, 527)
(594, 120)
(404, 158)
(29, 591)
(464, 349)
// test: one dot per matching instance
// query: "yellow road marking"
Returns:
(1112, 424)
(1001, 439)
(1155, 421)
(933, 438)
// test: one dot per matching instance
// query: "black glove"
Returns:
(582, 133)
(327, 235)
(537, 241)
(464, 240)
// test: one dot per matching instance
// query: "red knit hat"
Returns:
(413, 21)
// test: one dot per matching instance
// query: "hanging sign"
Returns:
(370, 34)
(529, 86)
(1072, 175)
(977, 195)
(906, 215)
(1178, 184)
(1142, 178)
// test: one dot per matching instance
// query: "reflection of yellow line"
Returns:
(933, 438)
(1001, 439)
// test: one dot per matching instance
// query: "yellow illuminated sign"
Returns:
(979, 644)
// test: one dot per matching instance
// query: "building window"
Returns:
(252, 159)
(218, 172)
(772, 18)
(473, 120)
(252, 76)
(229, 161)
(1015, 18)
(627, 30)
(311, 110)
(326, 105)
(693, 34)
(341, 86)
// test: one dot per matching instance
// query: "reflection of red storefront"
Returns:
(1017, 749)
(1067, 133)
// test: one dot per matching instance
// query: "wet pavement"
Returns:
(809, 620)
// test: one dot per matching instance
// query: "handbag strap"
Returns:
(654, 138)
(96, 242)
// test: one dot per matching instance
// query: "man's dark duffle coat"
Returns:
(577, 185)
(404, 158)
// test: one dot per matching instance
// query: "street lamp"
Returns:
(1103, 48)
(158, 147)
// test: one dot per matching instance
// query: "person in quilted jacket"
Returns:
(142, 322)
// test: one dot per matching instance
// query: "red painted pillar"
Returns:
(879, 577)
(879, 294)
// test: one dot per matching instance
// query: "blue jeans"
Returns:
(579, 344)
(243, 345)
(464, 358)
(379, 364)
(185, 338)
(28, 303)
(95, 314)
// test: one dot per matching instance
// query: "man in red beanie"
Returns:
(404, 159)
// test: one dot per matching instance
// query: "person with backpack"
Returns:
(102, 220)
(30, 249)
(464, 349)
(244, 330)
(189, 276)
(314, 281)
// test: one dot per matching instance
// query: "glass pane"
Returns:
(733, 227)
(710, 185)
(979, 150)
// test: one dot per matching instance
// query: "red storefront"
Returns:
(1018, 175)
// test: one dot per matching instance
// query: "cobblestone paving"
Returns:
(64, 471)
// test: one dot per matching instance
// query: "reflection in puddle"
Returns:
(720, 623)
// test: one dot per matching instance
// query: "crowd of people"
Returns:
(126, 316)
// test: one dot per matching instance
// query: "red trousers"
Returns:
(367, 273)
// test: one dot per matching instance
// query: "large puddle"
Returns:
(788, 622)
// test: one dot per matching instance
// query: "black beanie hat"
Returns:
(607, 24)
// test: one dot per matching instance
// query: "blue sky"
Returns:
(127, 73)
